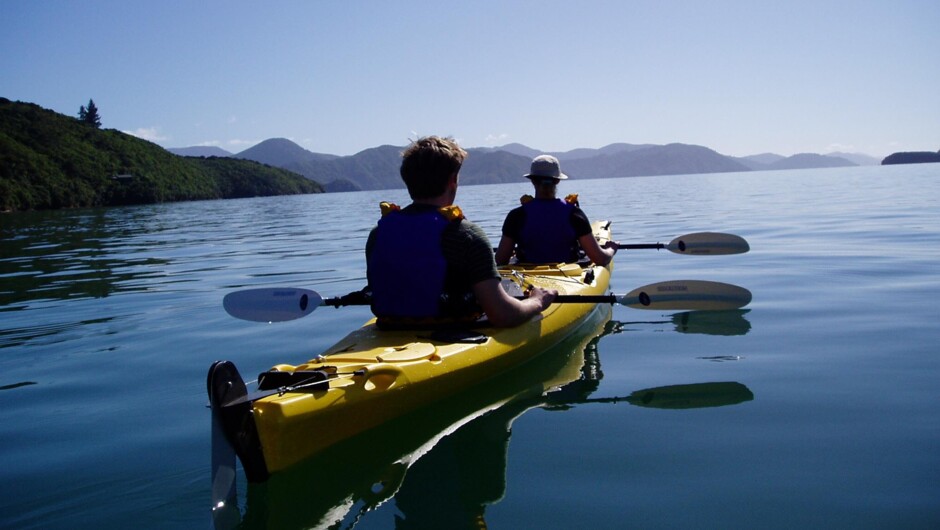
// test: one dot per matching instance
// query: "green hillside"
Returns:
(48, 161)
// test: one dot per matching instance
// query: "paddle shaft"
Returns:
(633, 246)
(560, 299)
(584, 299)
(638, 246)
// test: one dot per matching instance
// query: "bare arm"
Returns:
(505, 311)
(599, 255)
(504, 250)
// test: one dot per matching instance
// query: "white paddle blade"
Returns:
(688, 295)
(271, 304)
(708, 244)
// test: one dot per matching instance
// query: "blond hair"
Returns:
(428, 163)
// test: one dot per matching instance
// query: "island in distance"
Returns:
(377, 168)
(912, 157)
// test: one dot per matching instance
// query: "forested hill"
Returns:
(912, 157)
(49, 160)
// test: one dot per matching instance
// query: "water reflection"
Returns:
(45, 256)
(731, 322)
(17, 385)
(443, 465)
(696, 395)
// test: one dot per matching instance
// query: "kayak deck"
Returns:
(374, 375)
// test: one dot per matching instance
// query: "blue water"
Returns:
(110, 318)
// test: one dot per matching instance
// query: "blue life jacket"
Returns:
(406, 266)
(547, 235)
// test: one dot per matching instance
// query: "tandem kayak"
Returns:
(464, 438)
(373, 376)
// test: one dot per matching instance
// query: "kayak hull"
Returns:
(373, 376)
(469, 430)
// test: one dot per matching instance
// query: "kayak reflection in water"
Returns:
(466, 470)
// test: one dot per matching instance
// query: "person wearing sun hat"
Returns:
(546, 229)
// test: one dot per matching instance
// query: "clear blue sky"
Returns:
(740, 77)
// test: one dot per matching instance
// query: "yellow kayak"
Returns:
(371, 468)
(372, 376)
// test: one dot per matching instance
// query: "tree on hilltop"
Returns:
(90, 115)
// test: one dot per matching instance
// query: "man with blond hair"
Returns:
(427, 263)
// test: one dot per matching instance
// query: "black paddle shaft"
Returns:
(637, 246)
(582, 299)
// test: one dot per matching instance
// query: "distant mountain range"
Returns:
(377, 168)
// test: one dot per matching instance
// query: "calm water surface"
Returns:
(816, 406)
